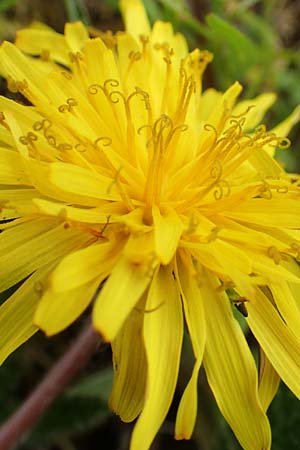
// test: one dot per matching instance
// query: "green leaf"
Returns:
(239, 46)
(97, 385)
(76, 10)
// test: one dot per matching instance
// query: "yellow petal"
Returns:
(126, 45)
(76, 35)
(139, 250)
(280, 345)
(118, 297)
(37, 252)
(167, 231)
(187, 410)
(163, 331)
(284, 127)
(135, 17)
(134, 220)
(209, 99)
(39, 173)
(15, 236)
(102, 67)
(269, 381)
(130, 367)
(162, 32)
(286, 305)
(195, 319)
(235, 262)
(84, 265)
(11, 168)
(97, 215)
(230, 255)
(37, 41)
(6, 137)
(225, 101)
(79, 180)
(257, 109)
(17, 203)
(16, 313)
(56, 311)
(293, 267)
(231, 370)
(275, 212)
(19, 67)
(264, 163)
(180, 46)
(265, 266)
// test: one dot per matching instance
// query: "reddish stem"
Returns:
(53, 384)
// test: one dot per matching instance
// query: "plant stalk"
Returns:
(64, 370)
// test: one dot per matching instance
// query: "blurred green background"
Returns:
(255, 42)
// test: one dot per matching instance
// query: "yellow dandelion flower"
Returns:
(123, 172)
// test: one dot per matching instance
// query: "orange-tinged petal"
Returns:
(163, 331)
(130, 368)
(231, 370)
(280, 345)
(120, 294)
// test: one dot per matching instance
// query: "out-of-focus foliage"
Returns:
(254, 41)
(6, 4)
(79, 409)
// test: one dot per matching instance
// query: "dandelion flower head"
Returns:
(122, 172)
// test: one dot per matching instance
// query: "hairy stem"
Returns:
(53, 384)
